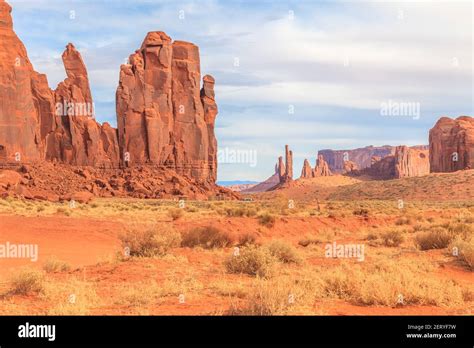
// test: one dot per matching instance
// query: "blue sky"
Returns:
(311, 74)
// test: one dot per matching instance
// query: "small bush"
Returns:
(28, 281)
(252, 260)
(403, 220)
(247, 239)
(284, 252)
(207, 237)
(266, 220)
(465, 250)
(151, 241)
(361, 212)
(437, 238)
(53, 265)
(392, 238)
(175, 213)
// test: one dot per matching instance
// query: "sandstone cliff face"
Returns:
(452, 144)
(164, 118)
(406, 162)
(19, 115)
(361, 157)
(411, 162)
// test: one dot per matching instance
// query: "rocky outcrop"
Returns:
(20, 137)
(77, 138)
(307, 172)
(164, 118)
(411, 162)
(452, 144)
(285, 169)
(406, 162)
(322, 167)
(350, 168)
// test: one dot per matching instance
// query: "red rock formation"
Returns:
(285, 170)
(350, 168)
(411, 162)
(163, 117)
(406, 162)
(307, 172)
(78, 138)
(20, 137)
(322, 167)
(452, 144)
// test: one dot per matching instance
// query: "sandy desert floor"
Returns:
(262, 257)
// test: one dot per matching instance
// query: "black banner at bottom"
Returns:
(322, 330)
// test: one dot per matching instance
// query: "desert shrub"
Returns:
(252, 260)
(207, 237)
(150, 241)
(361, 212)
(284, 252)
(266, 220)
(384, 282)
(175, 213)
(403, 220)
(27, 281)
(54, 265)
(372, 236)
(246, 239)
(436, 238)
(465, 249)
(392, 238)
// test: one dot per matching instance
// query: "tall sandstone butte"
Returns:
(452, 144)
(32, 127)
(19, 114)
(163, 117)
(285, 168)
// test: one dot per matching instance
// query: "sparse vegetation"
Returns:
(284, 252)
(252, 260)
(207, 237)
(150, 241)
(266, 220)
(27, 281)
(54, 265)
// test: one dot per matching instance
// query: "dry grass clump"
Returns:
(27, 281)
(247, 239)
(252, 260)
(389, 283)
(465, 250)
(361, 212)
(175, 213)
(280, 296)
(404, 220)
(392, 238)
(436, 238)
(207, 237)
(54, 265)
(267, 220)
(70, 297)
(284, 252)
(240, 211)
(150, 241)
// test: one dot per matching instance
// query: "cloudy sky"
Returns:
(311, 74)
